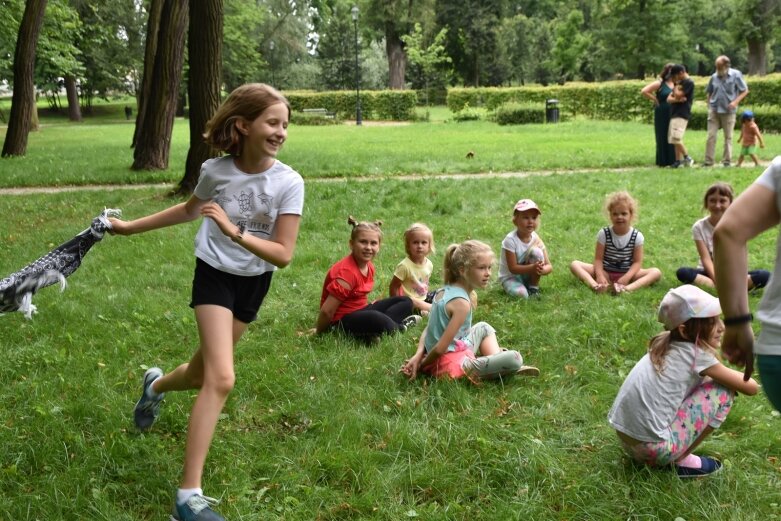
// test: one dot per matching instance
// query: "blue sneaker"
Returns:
(197, 508)
(147, 409)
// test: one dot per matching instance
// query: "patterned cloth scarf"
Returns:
(17, 289)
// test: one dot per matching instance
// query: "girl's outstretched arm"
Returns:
(177, 214)
(732, 379)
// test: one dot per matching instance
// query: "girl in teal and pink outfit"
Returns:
(451, 346)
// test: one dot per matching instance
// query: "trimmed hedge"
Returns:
(519, 114)
(397, 105)
(767, 117)
(614, 100)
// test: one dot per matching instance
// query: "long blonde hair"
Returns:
(461, 257)
(697, 331)
(245, 102)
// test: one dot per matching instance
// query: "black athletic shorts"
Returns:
(242, 295)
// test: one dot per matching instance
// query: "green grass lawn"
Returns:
(96, 152)
(323, 428)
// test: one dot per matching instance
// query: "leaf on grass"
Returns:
(571, 369)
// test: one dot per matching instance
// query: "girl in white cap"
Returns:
(679, 392)
(524, 259)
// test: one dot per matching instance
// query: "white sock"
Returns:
(183, 494)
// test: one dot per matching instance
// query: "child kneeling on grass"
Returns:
(450, 344)
(679, 392)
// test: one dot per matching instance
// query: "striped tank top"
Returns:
(616, 259)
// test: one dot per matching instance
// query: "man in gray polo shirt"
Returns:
(726, 89)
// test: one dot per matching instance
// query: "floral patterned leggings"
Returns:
(707, 405)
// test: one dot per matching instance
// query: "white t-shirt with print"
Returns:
(252, 200)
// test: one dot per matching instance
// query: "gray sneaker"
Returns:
(688, 161)
(147, 409)
(197, 508)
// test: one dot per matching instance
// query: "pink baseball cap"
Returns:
(526, 204)
(685, 302)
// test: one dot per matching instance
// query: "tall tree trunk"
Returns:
(153, 143)
(23, 99)
(74, 110)
(150, 51)
(757, 57)
(397, 59)
(204, 49)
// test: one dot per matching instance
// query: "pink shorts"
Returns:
(451, 363)
(614, 276)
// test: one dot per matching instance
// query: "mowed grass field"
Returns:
(324, 428)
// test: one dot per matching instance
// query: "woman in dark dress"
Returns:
(657, 91)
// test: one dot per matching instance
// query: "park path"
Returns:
(408, 177)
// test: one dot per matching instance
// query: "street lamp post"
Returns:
(354, 12)
(271, 46)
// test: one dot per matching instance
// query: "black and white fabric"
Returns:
(17, 289)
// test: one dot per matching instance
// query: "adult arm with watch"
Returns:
(750, 214)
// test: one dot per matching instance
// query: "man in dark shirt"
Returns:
(680, 101)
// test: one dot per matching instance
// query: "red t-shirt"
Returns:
(361, 285)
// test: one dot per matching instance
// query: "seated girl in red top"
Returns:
(344, 304)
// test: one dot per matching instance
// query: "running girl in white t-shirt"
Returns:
(252, 203)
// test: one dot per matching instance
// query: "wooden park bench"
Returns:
(323, 112)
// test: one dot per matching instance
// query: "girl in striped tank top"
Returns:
(618, 260)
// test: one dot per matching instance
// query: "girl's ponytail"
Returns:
(451, 272)
(359, 226)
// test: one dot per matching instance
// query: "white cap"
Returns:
(526, 204)
(685, 302)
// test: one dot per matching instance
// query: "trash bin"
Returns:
(551, 111)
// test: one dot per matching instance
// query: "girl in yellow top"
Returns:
(411, 276)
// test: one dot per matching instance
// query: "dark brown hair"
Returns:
(720, 188)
